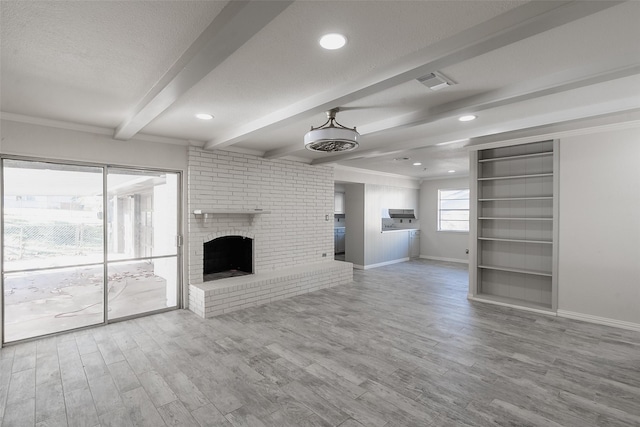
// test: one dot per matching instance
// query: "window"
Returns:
(453, 210)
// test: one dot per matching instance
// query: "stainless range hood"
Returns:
(402, 213)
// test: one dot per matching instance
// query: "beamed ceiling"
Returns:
(144, 68)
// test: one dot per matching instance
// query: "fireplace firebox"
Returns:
(227, 256)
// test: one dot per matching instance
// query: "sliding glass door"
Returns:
(142, 252)
(53, 248)
(75, 255)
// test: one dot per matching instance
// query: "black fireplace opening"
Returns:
(227, 256)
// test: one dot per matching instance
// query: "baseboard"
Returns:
(381, 264)
(599, 320)
(437, 258)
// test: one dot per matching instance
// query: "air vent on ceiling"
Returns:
(435, 81)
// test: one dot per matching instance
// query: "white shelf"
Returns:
(533, 175)
(199, 212)
(513, 302)
(508, 199)
(521, 156)
(515, 219)
(496, 239)
(515, 270)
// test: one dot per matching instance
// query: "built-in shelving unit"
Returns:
(514, 225)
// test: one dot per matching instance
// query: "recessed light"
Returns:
(333, 41)
(417, 164)
(204, 116)
(451, 171)
(467, 118)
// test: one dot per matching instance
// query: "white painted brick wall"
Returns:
(299, 196)
(224, 296)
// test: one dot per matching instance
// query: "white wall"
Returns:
(599, 242)
(434, 244)
(343, 174)
(61, 144)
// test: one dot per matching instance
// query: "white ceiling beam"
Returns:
(507, 130)
(548, 85)
(517, 24)
(561, 82)
(229, 30)
(474, 104)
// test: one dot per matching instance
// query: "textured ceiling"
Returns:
(146, 67)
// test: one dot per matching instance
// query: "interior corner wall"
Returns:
(599, 227)
(434, 244)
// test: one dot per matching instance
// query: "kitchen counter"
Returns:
(394, 230)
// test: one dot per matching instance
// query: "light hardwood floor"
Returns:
(401, 346)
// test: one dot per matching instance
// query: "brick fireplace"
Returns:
(282, 206)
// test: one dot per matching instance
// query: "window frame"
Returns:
(439, 210)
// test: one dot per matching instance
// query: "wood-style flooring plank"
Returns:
(209, 416)
(175, 414)
(49, 401)
(20, 414)
(80, 408)
(141, 409)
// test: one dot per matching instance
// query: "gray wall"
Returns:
(434, 244)
(599, 242)
(354, 223)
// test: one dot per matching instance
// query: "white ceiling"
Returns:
(146, 67)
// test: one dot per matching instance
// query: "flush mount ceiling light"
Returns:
(451, 171)
(331, 136)
(333, 41)
(417, 164)
(467, 118)
(204, 116)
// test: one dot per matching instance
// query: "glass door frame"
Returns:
(105, 261)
